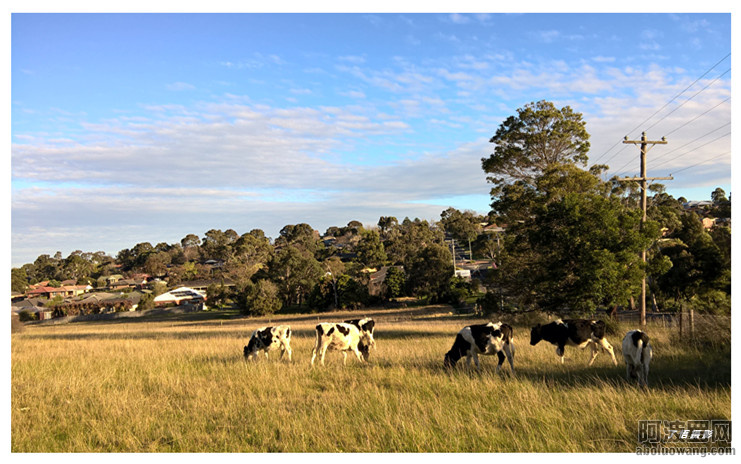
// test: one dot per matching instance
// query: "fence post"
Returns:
(681, 312)
(692, 323)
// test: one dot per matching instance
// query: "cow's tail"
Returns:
(638, 354)
(643, 346)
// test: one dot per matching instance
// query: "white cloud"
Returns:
(180, 86)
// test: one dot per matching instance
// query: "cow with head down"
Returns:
(344, 337)
(574, 332)
(268, 339)
(367, 324)
(486, 339)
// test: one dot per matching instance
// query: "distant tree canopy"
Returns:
(570, 242)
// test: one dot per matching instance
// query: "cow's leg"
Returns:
(344, 358)
(560, 351)
(476, 359)
(500, 355)
(468, 360)
(607, 347)
(509, 350)
(313, 356)
(359, 355)
(595, 351)
(627, 371)
(645, 374)
(323, 353)
(289, 351)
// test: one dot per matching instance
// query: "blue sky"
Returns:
(128, 128)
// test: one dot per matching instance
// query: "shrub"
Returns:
(26, 316)
(260, 299)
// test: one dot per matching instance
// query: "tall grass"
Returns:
(184, 386)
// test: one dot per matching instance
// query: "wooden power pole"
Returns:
(643, 179)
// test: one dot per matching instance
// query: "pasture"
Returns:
(182, 385)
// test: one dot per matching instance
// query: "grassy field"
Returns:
(182, 385)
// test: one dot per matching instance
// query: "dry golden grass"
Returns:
(183, 385)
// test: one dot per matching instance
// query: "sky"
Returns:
(129, 128)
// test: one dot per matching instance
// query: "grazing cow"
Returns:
(574, 332)
(485, 339)
(269, 339)
(368, 325)
(340, 336)
(637, 352)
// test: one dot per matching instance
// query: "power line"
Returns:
(665, 105)
(689, 99)
(696, 148)
(689, 143)
(683, 91)
(620, 171)
(703, 162)
(696, 117)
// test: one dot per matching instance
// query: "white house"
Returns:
(180, 296)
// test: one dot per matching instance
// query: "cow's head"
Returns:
(535, 335)
(450, 359)
(250, 350)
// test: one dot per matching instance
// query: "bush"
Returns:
(26, 316)
(260, 299)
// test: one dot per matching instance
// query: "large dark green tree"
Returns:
(539, 137)
(572, 243)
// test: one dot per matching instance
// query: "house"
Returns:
(180, 296)
(46, 292)
(202, 285)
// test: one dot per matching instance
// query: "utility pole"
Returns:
(644, 187)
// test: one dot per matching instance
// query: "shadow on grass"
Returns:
(711, 371)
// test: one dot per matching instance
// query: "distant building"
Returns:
(179, 296)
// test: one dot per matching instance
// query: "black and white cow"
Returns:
(637, 352)
(368, 325)
(269, 339)
(343, 337)
(574, 332)
(487, 339)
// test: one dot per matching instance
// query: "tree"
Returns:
(430, 271)
(260, 298)
(573, 241)
(18, 280)
(394, 282)
(584, 252)
(301, 236)
(370, 249)
(526, 145)
(295, 272)
(218, 245)
(718, 196)
(462, 226)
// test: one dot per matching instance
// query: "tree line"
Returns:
(572, 243)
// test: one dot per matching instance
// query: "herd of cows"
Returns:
(356, 336)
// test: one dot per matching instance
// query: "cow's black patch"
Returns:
(459, 349)
(638, 335)
(343, 330)
(266, 337)
(481, 334)
(319, 329)
(331, 329)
